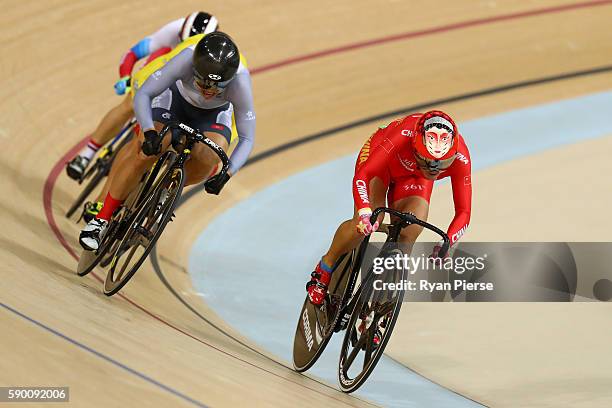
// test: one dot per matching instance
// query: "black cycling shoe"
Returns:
(76, 167)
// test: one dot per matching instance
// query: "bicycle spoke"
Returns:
(131, 239)
(384, 308)
(126, 263)
(354, 353)
(369, 335)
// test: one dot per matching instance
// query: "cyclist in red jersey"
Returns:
(400, 163)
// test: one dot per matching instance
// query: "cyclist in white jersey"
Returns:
(152, 46)
(201, 86)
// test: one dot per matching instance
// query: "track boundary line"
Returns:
(104, 357)
(429, 31)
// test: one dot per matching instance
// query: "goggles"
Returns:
(206, 84)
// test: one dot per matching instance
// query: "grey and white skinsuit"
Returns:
(171, 94)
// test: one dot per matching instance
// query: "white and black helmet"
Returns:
(198, 23)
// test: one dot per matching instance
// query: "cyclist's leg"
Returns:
(113, 121)
(105, 187)
(414, 197)
(109, 126)
(216, 124)
(203, 161)
(126, 173)
(411, 195)
(347, 237)
(131, 163)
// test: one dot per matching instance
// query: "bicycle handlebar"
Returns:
(198, 137)
(409, 218)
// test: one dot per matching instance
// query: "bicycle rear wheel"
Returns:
(90, 259)
(311, 339)
(153, 214)
(369, 329)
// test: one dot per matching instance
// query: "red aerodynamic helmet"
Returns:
(435, 141)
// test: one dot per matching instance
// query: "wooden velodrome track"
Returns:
(59, 63)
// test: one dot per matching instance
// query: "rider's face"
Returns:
(209, 89)
(438, 141)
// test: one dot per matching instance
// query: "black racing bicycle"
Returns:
(137, 225)
(101, 167)
(366, 313)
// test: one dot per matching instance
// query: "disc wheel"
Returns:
(316, 323)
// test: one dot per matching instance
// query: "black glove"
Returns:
(214, 184)
(152, 143)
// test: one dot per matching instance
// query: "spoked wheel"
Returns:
(143, 230)
(369, 329)
(149, 180)
(316, 324)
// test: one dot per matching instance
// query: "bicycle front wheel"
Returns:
(152, 216)
(369, 329)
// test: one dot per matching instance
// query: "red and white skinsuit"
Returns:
(388, 155)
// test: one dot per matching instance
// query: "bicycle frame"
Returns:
(124, 131)
(393, 230)
(193, 137)
(136, 233)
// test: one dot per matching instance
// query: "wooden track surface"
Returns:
(59, 62)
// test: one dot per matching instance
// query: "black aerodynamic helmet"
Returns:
(216, 58)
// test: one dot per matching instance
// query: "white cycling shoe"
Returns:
(92, 234)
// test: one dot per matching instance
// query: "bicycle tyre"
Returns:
(90, 259)
(304, 330)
